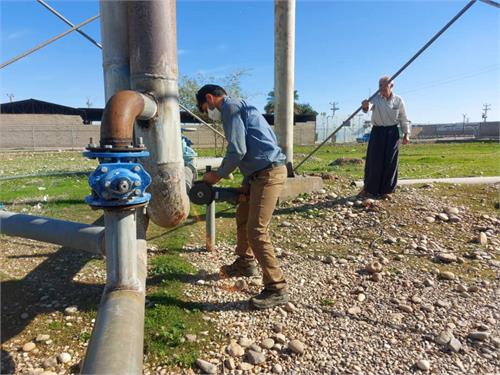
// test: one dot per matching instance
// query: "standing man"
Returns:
(252, 147)
(381, 167)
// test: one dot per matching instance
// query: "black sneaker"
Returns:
(269, 298)
(240, 268)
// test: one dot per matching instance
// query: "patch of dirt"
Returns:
(347, 161)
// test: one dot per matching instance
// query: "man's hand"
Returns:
(211, 178)
(365, 105)
(406, 139)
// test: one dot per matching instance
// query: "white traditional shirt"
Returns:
(389, 112)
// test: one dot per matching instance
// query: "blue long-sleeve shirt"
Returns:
(252, 144)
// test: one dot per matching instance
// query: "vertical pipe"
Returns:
(284, 65)
(153, 68)
(121, 249)
(115, 55)
(210, 226)
(210, 222)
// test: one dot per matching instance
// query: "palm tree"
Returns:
(298, 108)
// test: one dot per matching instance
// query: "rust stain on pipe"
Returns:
(121, 111)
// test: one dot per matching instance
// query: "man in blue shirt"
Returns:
(252, 147)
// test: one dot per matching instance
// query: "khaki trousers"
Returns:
(252, 221)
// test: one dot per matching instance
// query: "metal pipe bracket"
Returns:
(119, 181)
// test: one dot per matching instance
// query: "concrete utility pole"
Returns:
(486, 108)
(284, 68)
(10, 96)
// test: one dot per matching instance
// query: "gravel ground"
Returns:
(394, 287)
(409, 285)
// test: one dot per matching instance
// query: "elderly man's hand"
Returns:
(365, 105)
(406, 139)
(211, 177)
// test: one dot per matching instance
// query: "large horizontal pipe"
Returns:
(65, 233)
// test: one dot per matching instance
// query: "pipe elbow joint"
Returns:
(119, 116)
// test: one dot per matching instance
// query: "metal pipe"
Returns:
(116, 344)
(121, 249)
(120, 113)
(117, 341)
(490, 2)
(210, 226)
(210, 222)
(413, 58)
(67, 22)
(64, 233)
(115, 55)
(153, 68)
(41, 45)
(284, 65)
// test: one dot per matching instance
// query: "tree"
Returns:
(298, 108)
(305, 109)
(189, 86)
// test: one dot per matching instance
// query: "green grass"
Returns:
(170, 316)
(56, 326)
(327, 302)
(23, 163)
(416, 160)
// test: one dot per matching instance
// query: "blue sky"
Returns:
(342, 48)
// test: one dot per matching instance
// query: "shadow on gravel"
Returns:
(47, 288)
(242, 305)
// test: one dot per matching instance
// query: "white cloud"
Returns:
(16, 35)
(217, 71)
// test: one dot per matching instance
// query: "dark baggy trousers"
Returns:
(381, 167)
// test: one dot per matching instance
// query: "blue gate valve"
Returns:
(118, 181)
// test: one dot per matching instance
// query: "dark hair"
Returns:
(215, 90)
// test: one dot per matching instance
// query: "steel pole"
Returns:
(51, 40)
(284, 65)
(210, 222)
(210, 226)
(67, 22)
(64, 233)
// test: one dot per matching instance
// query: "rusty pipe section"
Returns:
(120, 114)
(153, 68)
